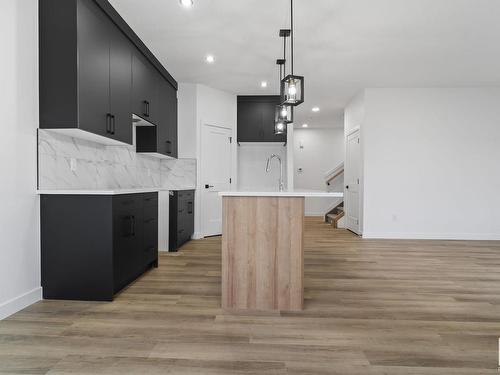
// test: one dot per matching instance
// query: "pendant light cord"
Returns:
(284, 56)
(291, 32)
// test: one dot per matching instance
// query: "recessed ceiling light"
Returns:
(305, 125)
(315, 109)
(263, 84)
(210, 59)
(186, 3)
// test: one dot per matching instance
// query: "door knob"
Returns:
(347, 187)
(208, 186)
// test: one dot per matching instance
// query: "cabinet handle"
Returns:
(113, 124)
(190, 207)
(169, 147)
(108, 123)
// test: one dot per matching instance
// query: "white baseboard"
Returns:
(197, 236)
(18, 303)
(433, 236)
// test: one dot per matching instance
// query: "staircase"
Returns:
(334, 173)
(334, 216)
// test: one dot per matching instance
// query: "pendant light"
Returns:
(292, 86)
(283, 113)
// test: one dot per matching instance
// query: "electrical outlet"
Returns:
(72, 164)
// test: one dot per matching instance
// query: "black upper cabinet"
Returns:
(145, 88)
(167, 125)
(162, 138)
(256, 115)
(94, 70)
(85, 62)
(120, 85)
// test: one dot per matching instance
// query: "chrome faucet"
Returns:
(268, 169)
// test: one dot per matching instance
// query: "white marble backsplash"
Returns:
(178, 174)
(71, 163)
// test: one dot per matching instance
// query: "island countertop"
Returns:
(286, 193)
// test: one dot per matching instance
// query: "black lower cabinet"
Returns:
(181, 220)
(92, 246)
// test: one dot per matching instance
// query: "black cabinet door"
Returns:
(93, 69)
(173, 130)
(144, 88)
(150, 248)
(256, 115)
(181, 226)
(167, 120)
(122, 247)
(150, 241)
(120, 67)
(172, 123)
(249, 121)
(128, 238)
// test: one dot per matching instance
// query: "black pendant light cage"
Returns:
(292, 90)
(283, 113)
(292, 85)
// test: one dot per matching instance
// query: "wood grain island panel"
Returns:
(263, 253)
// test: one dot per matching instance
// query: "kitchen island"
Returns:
(263, 249)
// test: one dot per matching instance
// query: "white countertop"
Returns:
(107, 191)
(292, 193)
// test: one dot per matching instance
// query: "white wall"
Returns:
(252, 158)
(431, 163)
(317, 151)
(186, 137)
(354, 113)
(323, 150)
(19, 227)
(199, 105)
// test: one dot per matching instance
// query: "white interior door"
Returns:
(215, 174)
(352, 178)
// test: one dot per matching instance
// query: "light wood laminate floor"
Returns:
(372, 307)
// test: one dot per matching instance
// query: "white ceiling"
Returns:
(342, 46)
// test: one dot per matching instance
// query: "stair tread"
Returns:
(335, 216)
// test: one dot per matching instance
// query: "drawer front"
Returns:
(183, 195)
(127, 202)
(189, 194)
